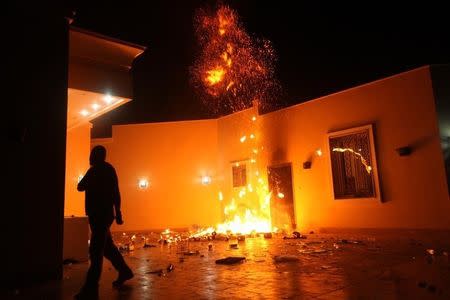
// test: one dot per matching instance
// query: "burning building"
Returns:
(366, 157)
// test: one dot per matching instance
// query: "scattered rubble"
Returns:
(285, 258)
(231, 260)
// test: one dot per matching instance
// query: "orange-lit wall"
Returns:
(413, 187)
(172, 157)
(77, 163)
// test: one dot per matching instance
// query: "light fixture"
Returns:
(95, 106)
(280, 195)
(84, 113)
(143, 184)
(319, 152)
(254, 118)
(220, 196)
(206, 180)
(252, 136)
(108, 99)
(307, 165)
(243, 138)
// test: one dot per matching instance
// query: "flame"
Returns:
(215, 75)
(232, 65)
(363, 160)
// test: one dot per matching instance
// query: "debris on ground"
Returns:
(231, 260)
(170, 268)
(191, 253)
(295, 235)
(268, 235)
(430, 251)
(285, 258)
(210, 247)
(313, 251)
(157, 272)
(355, 242)
(149, 246)
(241, 238)
(234, 246)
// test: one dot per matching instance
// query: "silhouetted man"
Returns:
(102, 204)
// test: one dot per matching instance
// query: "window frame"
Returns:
(374, 164)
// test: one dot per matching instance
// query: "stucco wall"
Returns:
(172, 157)
(77, 163)
(401, 108)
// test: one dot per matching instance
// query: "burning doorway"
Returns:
(282, 204)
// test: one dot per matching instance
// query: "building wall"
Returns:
(172, 157)
(401, 108)
(77, 163)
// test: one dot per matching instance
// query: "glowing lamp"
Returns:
(143, 184)
(319, 152)
(95, 106)
(206, 180)
(280, 195)
(254, 118)
(84, 113)
(243, 139)
(108, 99)
(252, 136)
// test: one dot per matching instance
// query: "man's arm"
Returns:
(116, 198)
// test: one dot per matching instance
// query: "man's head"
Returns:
(98, 155)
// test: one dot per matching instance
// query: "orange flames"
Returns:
(232, 68)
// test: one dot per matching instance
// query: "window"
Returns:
(353, 164)
(239, 175)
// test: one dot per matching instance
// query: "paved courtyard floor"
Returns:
(322, 266)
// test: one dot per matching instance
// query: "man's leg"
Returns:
(113, 255)
(99, 233)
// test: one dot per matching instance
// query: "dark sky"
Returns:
(321, 48)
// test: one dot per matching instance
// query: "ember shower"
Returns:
(234, 72)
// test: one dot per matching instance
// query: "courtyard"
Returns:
(388, 265)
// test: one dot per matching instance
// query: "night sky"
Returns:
(321, 49)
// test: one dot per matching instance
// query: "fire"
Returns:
(232, 67)
(215, 75)
(232, 71)
(363, 160)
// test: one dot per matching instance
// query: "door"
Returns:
(282, 200)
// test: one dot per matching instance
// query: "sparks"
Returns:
(363, 160)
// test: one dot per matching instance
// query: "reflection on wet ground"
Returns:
(322, 266)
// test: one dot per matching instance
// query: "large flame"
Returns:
(232, 67)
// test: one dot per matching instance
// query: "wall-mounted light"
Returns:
(280, 195)
(307, 165)
(84, 113)
(206, 180)
(243, 138)
(143, 184)
(254, 118)
(319, 152)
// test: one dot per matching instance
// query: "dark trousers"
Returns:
(102, 245)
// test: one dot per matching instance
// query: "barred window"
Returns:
(239, 175)
(352, 164)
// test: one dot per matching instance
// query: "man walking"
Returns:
(102, 204)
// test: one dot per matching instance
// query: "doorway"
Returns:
(282, 200)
